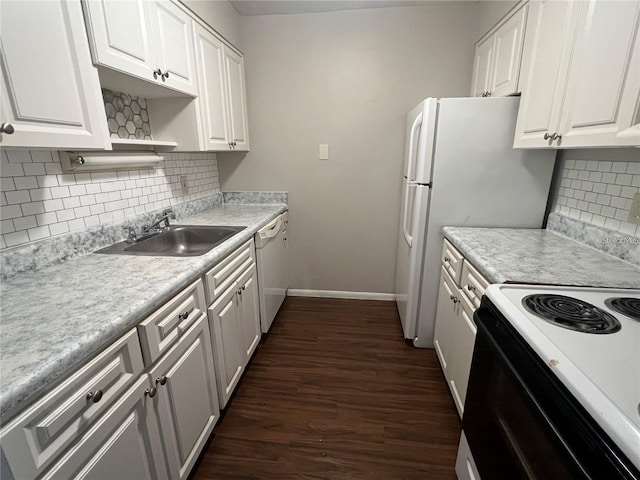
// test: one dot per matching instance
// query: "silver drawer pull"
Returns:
(161, 380)
(471, 288)
(95, 397)
(446, 259)
(183, 316)
(151, 392)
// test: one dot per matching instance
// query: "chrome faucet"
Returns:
(166, 215)
(131, 234)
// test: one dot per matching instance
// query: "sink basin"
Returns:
(178, 241)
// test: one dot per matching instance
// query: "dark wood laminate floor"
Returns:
(334, 393)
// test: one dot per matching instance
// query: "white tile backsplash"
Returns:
(598, 191)
(38, 200)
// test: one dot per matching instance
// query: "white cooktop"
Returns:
(601, 370)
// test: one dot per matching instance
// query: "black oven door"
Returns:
(521, 422)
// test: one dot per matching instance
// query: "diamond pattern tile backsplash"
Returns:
(127, 116)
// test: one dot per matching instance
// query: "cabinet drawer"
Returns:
(452, 261)
(38, 436)
(473, 283)
(162, 329)
(220, 277)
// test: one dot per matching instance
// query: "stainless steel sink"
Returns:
(178, 241)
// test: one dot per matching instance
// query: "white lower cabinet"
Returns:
(249, 312)
(445, 321)
(455, 330)
(124, 445)
(186, 400)
(234, 317)
(227, 340)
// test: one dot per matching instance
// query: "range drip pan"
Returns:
(625, 305)
(571, 313)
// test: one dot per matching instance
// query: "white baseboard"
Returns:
(295, 292)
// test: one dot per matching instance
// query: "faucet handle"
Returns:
(131, 234)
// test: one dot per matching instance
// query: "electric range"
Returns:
(568, 358)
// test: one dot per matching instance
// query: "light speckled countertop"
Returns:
(54, 319)
(540, 256)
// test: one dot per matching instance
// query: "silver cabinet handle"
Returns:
(165, 75)
(446, 259)
(547, 136)
(7, 128)
(471, 288)
(157, 73)
(95, 397)
(151, 392)
(161, 380)
(556, 136)
(183, 316)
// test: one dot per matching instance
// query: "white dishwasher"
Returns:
(272, 252)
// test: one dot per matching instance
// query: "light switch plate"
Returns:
(323, 151)
(634, 211)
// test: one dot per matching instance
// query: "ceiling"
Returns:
(282, 7)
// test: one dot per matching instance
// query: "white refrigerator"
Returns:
(460, 169)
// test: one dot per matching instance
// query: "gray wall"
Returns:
(220, 15)
(347, 79)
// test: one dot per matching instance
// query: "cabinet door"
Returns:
(464, 333)
(445, 319)
(50, 88)
(121, 36)
(186, 400)
(124, 445)
(249, 312)
(212, 98)
(604, 76)
(482, 67)
(173, 31)
(227, 341)
(548, 43)
(507, 55)
(239, 127)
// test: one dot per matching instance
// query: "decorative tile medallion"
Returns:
(127, 116)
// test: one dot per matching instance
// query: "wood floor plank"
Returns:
(334, 392)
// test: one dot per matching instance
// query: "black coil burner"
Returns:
(625, 305)
(571, 313)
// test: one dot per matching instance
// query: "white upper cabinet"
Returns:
(581, 82)
(146, 39)
(482, 68)
(50, 89)
(507, 54)
(173, 30)
(603, 85)
(239, 135)
(121, 36)
(212, 98)
(222, 98)
(496, 68)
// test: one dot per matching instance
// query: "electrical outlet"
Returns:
(184, 184)
(323, 151)
(634, 211)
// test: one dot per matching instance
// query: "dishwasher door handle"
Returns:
(271, 230)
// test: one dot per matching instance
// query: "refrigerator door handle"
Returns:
(414, 128)
(405, 231)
